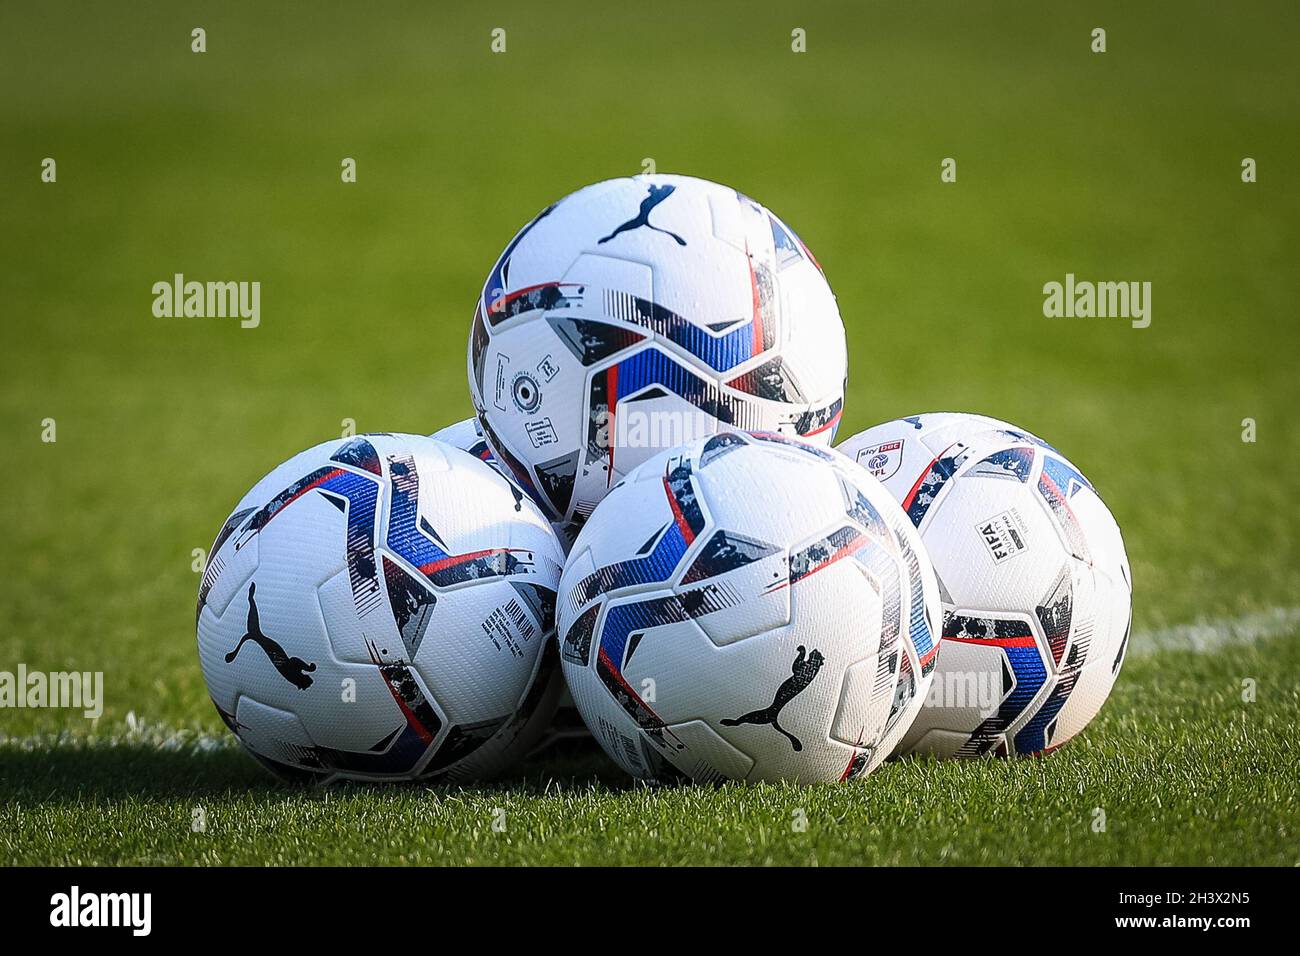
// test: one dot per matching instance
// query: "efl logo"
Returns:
(882, 460)
(74, 908)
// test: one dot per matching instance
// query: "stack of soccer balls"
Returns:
(648, 505)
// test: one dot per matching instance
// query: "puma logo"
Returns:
(657, 195)
(292, 669)
(801, 675)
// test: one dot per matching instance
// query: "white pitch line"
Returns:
(132, 733)
(1201, 637)
(1204, 636)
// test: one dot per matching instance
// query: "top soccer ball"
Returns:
(1035, 581)
(638, 315)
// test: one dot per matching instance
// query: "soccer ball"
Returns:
(749, 607)
(381, 608)
(1036, 585)
(637, 315)
(467, 435)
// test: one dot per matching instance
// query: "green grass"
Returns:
(226, 165)
(1183, 769)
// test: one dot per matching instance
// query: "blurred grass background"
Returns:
(225, 166)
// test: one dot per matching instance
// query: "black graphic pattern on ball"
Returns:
(656, 195)
(292, 669)
(802, 672)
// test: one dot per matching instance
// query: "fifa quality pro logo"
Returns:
(1003, 535)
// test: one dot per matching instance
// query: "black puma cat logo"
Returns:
(801, 675)
(657, 195)
(292, 669)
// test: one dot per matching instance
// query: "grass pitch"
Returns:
(225, 165)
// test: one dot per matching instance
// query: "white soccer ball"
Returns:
(749, 607)
(639, 314)
(467, 435)
(381, 608)
(1036, 584)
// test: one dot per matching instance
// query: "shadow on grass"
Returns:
(72, 772)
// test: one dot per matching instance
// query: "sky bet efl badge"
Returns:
(882, 460)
